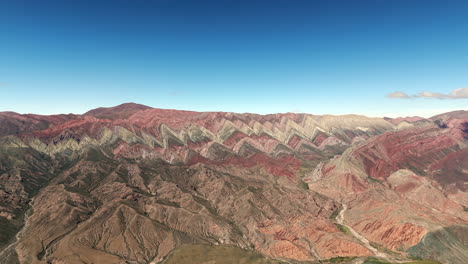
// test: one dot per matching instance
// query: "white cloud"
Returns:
(425, 94)
(426, 113)
(397, 94)
(458, 93)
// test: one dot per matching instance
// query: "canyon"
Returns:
(136, 184)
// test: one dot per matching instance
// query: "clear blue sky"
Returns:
(244, 56)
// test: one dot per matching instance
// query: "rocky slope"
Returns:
(130, 184)
(404, 185)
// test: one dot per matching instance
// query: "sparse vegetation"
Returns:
(302, 184)
(223, 254)
(341, 259)
(335, 213)
(303, 170)
(423, 262)
(95, 155)
(384, 249)
(374, 260)
(343, 229)
(373, 180)
(447, 244)
(7, 231)
(416, 170)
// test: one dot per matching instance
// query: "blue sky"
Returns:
(317, 57)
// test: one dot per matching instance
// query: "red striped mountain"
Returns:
(132, 183)
(132, 130)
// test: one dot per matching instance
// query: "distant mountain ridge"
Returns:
(187, 136)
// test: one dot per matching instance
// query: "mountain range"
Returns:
(135, 184)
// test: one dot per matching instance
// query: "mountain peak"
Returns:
(116, 112)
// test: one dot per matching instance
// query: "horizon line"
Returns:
(443, 111)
